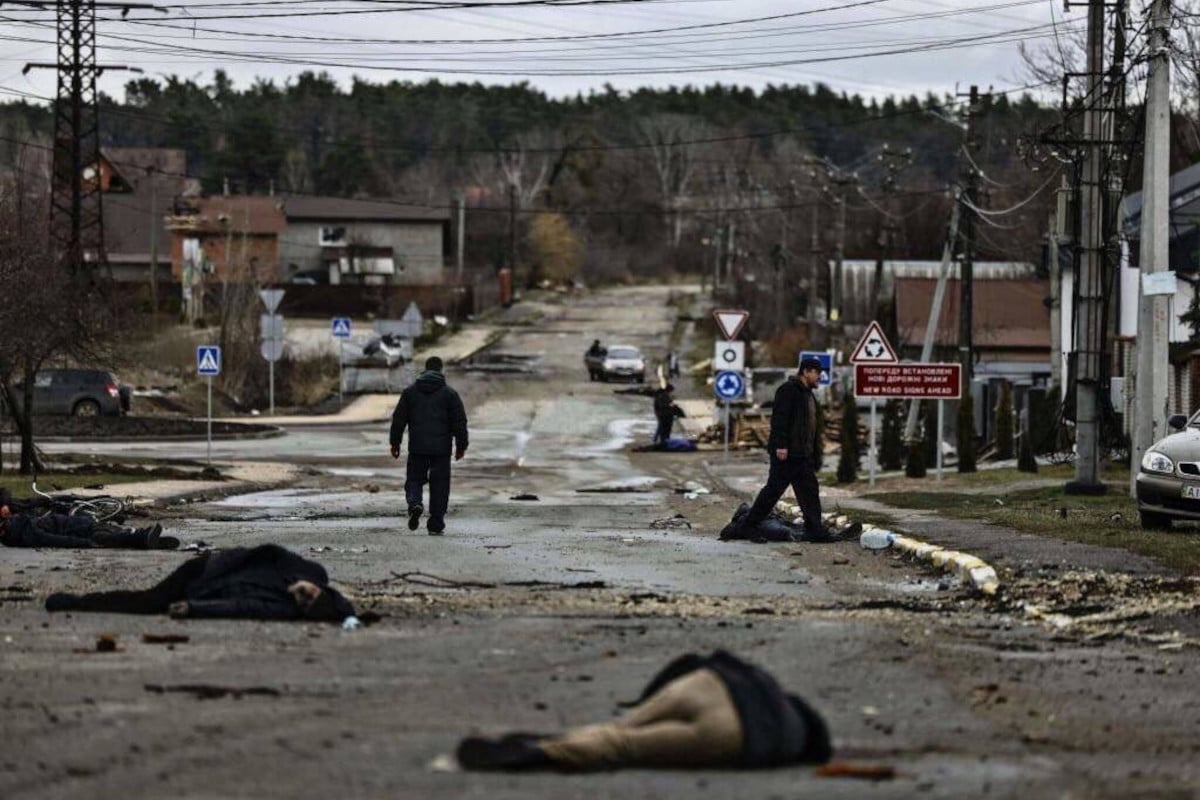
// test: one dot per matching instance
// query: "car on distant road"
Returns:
(78, 393)
(1168, 483)
(623, 361)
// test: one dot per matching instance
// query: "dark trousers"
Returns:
(798, 473)
(663, 432)
(154, 600)
(434, 470)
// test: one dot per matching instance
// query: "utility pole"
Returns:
(512, 229)
(76, 213)
(893, 161)
(1150, 376)
(814, 273)
(1055, 270)
(730, 232)
(966, 319)
(460, 234)
(155, 222)
(1089, 328)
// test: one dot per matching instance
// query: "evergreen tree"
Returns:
(966, 433)
(890, 456)
(1004, 422)
(917, 450)
(847, 471)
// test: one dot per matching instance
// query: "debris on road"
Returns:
(526, 497)
(209, 691)
(844, 769)
(165, 638)
(677, 522)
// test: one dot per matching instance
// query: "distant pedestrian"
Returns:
(672, 364)
(434, 415)
(665, 412)
(794, 449)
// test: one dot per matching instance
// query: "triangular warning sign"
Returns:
(874, 348)
(731, 321)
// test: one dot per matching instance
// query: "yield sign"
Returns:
(271, 299)
(731, 321)
(874, 348)
(412, 315)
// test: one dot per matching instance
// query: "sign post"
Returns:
(728, 386)
(941, 423)
(208, 364)
(872, 348)
(340, 328)
(272, 337)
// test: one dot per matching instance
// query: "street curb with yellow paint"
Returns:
(969, 569)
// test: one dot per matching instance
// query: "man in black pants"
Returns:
(794, 449)
(434, 415)
(665, 412)
(264, 582)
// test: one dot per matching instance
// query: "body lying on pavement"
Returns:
(775, 528)
(264, 582)
(715, 711)
(77, 531)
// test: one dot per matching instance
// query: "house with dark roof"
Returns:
(365, 242)
(139, 186)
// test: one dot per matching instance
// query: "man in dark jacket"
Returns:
(715, 711)
(264, 582)
(794, 449)
(77, 531)
(434, 415)
(665, 412)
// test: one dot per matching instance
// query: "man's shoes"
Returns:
(61, 601)
(850, 531)
(436, 526)
(513, 752)
(819, 535)
(414, 516)
(156, 541)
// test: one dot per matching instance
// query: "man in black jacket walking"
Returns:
(437, 423)
(794, 449)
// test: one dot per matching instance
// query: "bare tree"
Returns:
(48, 314)
(672, 146)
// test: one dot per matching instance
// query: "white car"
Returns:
(623, 361)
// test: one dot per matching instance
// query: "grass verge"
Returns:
(21, 485)
(1110, 520)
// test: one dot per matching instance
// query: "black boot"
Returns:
(62, 601)
(123, 538)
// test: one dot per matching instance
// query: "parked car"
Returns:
(79, 393)
(1168, 483)
(623, 361)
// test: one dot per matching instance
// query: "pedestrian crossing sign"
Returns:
(208, 359)
(341, 327)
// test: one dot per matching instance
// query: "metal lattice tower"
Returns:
(76, 212)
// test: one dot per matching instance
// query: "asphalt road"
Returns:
(538, 614)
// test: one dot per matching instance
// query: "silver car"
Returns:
(623, 361)
(1168, 483)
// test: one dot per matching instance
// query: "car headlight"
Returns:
(608, 364)
(639, 365)
(1157, 462)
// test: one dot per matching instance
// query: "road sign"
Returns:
(874, 348)
(271, 349)
(271, 299)
(272, 326)
(914, 380)
(729, 385)
(826, 360)
(341, 327)
(729, 355)
(731, 321)
(208, 359)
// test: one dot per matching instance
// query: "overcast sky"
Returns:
(657, 43)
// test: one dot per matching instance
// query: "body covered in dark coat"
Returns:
(434, 416)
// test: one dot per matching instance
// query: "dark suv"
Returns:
(78, 392)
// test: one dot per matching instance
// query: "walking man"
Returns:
(794, 449)
(434, 415)
(665, 412)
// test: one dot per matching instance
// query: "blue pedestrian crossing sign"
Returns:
(208, 359)
(729, 385)
(826, 360)
(341, 327)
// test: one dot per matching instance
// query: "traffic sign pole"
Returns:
(209, 378)
(341, 373)
(726, 456)
(872, 452)
(271, 384)
(941, 422)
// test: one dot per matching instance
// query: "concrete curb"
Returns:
(969, 569)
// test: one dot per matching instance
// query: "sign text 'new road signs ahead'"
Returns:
(341, 327)
(826, 360)
(731, 321)
(874, 348)
(916, 380)
(208, 359)
(729, 355)
(729, 385)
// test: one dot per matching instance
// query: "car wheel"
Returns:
(86, 408)
(1154, 521)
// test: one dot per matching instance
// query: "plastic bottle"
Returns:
(876, 539)
(351, 624)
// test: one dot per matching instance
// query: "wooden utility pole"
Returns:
(512, 229)
(1089, 327)
(1150, 376)
(155, 222)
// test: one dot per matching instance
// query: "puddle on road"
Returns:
(290, 499)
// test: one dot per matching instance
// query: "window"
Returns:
(333, 236)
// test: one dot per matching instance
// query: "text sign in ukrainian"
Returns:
(918, 380)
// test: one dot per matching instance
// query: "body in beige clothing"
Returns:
(691, 721)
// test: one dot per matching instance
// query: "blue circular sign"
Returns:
(729, 385)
